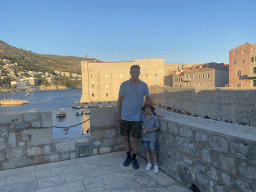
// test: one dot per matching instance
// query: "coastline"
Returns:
(42, 88)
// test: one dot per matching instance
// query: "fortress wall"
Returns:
(235, 104)
(213, 155)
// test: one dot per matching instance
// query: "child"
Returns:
(150, 125)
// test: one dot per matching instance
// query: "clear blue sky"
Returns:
(113, 30)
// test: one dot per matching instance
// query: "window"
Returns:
(254, 69)
(244, 50)
(252, 59)
(186, 84)
(146, 75)
(235, 62)
(239, 84)
(121, 75)
(239, 72)
(93, 95)
(106, 75)
(107, 94)
(235, 52)
(193, 76)
(254, 83)
(203, 85)
(208, 84)
(203, 76)
(186, 76)
(92, 76)
(106, 86)
(92, 86)
(208, 75)
(155, 78)
(243, 60)
(199, 76)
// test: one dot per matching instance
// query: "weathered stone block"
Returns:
(187, 160)
(95, 151)
(110, 133)
(12, 140)
(21, 144)
(219, 144)
(183, 144)
(2, 145)
(226, 179)
(64, 156)
(97, 134)
(201, 136)
(119, 147)
(34, 151)
(22, 126)
(108, 142)
(97, 143)
(37, 136)
(1, 139)
(212, 173)
(184, 132)
(206, 156)
(41, 159)
(173, 129)
(15, 153)
(46, 118)
(1, 156)
(163, 126)
(105, 149)
(228, 164)
(243, 186)
(248, 171)
(120, 140)
(63, 147)
(36, 124)
(31, 116)
(3, 131)
(47, 148)
(15, 118)
(53, 158)
(240, 150)
(73, 155)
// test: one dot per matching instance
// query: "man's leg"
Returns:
(136, 134)
(127, 143)
(125, 131)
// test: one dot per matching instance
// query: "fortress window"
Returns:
(92, 86)
(208, 75)
(254, 83)
(235, 62)
(254, 69)
(235, 52)
(252, 59)
(199, 76)
(244, 50)
(107, 94)
(243, 60)
(202, 76)
(208, 84)
(239, 72)
(106, 86)
(93, 95)
(193, 76)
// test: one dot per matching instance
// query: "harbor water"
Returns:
(51, 101)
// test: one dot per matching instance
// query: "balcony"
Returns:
(251, 76)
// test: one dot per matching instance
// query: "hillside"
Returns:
(41, 62)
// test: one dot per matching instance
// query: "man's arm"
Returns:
(119, 106)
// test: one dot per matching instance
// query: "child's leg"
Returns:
(148, 155)
(154, 157)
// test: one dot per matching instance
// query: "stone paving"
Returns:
(96, 173)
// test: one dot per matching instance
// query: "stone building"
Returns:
(101, 80)
(242, 66)
(205, 75)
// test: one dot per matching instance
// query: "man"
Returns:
(130, 101)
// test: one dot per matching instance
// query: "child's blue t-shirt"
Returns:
(149, 123)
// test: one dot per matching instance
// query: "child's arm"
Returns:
(150, 130)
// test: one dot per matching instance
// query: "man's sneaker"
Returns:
(127, 162)
(135, 164)
(156, 169)
(148, 167)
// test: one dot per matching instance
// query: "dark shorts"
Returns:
(133, 127)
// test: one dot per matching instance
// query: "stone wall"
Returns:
(26, 139)
(235, 104)
(105, 131)
(213, 155)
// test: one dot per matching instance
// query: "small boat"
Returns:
(62, 113)
(78, 107)
(85, 107)
(79, 112)
(101, 106)
(27, 94)
(87, 111)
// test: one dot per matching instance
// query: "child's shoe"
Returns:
(148, 167)
(156, 169)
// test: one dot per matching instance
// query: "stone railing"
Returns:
(105, 131)
(26, 139)
(213, 155)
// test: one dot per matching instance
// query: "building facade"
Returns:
(101, 80)
(242, 66)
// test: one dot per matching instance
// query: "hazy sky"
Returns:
(113, 30)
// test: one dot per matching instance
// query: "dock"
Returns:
(13, 102)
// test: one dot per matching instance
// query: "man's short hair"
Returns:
(135, 67)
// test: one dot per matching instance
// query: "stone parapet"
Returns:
(213, 155)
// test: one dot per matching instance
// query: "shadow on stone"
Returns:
(194, 188)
